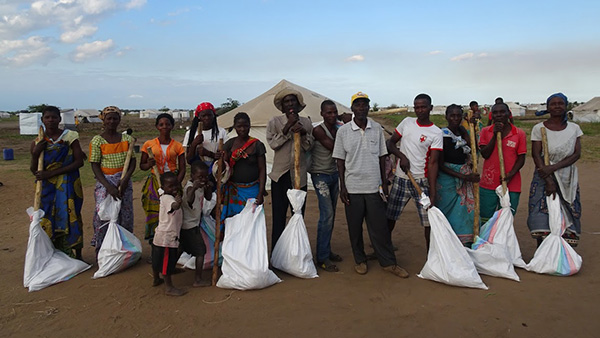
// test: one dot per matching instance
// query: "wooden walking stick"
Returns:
(297, 150)
(151, 155)
(474, 159)
(415, 184)
(37, 200)
(501, 160)
(545, 146)
(217, 217)
(199, 132)
(128, 159)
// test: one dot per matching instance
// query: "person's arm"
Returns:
(341, 166)
(392, 148)
(307, 139)
(516, 167)
(146, 162)
(565, 162)
(175, 205)
(110, 188)
(536, 153)
(432, 169)
(276, 138)
(488, 149)
(384, 185)
(321, 137)
(193, 148)
(76, 164)
(262, 178)
(190, 195)
(180, 167)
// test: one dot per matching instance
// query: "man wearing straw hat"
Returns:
(280, 136)
(514, 150)
(360, 153)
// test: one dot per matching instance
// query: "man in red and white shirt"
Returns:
(421, 143)
(514, 150)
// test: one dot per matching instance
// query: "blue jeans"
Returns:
(327, 187)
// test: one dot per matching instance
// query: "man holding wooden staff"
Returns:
(514, 150)
(360, 153)
(280, 136)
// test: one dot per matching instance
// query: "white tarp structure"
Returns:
(4, 115)
(180, 115)
(87, 115)
(438, 110)
(67, 119)
(516, 109)
(149, 114)
(588, 112)
(261, 109)
(29, 123)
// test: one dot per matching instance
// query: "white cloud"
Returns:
(20, 53)
(92, 50)
(78, 34)
(134, 4)
(124, 51)
(179, 12)
(435, 52)
(355, 58)
(136, 96)
(469, 56)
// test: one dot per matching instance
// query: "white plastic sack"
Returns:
(45, 265)
(492, 259)
(245, 254)
(502, 230)
(447, 260)
(555, 256)
(292, 252)
(120, 248)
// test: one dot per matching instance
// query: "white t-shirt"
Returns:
(209, 143)
(416, 144)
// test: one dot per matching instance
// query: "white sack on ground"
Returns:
(292, 253)
(503, 231)
(120, 248)
(492, 259)
(555, 256)
(447, 260)
(45, 265)
(245, 254)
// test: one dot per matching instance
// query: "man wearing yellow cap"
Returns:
(280, 136)
(360, 153)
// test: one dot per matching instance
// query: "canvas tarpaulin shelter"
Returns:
(261, 109)
(29, 123)
(588, 112)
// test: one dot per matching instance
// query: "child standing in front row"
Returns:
(166, 237)
(196, 190)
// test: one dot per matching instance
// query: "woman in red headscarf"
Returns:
(204, 146)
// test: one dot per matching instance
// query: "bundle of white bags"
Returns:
(292, 253)
(120, 248)
(555, 256)
(447, 259)
(245, 254)
(45, 265)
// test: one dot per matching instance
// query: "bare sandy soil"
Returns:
(335, 304)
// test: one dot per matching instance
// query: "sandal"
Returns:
(328, 266)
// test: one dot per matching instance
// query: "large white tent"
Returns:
(588, 112)
(29, 123)
(261, 109)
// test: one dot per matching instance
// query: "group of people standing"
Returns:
(345, 155)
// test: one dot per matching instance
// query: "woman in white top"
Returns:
(204, 146)
(560, 177)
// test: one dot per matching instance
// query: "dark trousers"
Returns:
(371, 208)
(280, 204)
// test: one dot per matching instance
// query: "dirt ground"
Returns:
(335, 304)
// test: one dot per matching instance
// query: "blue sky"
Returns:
(149, 54)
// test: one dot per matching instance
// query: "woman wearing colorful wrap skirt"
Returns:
(560, 177)
(168, 156)
(455, 179)
(108, 152)
(247, 160)
(62, 195)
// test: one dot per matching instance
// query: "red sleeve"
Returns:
(485, 136)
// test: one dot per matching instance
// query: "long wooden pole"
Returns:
(199, 132)
(128, 159)
(501, 160)
(474, 160)
(414, 183)
(151, 155)
(545, 146)
(217, 217)
(37, 200)
(297, 150)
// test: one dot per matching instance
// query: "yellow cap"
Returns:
(359, 95)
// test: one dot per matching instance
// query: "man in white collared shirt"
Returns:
(360, 153)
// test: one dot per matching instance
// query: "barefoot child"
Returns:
(166, 237)
(196, 190)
